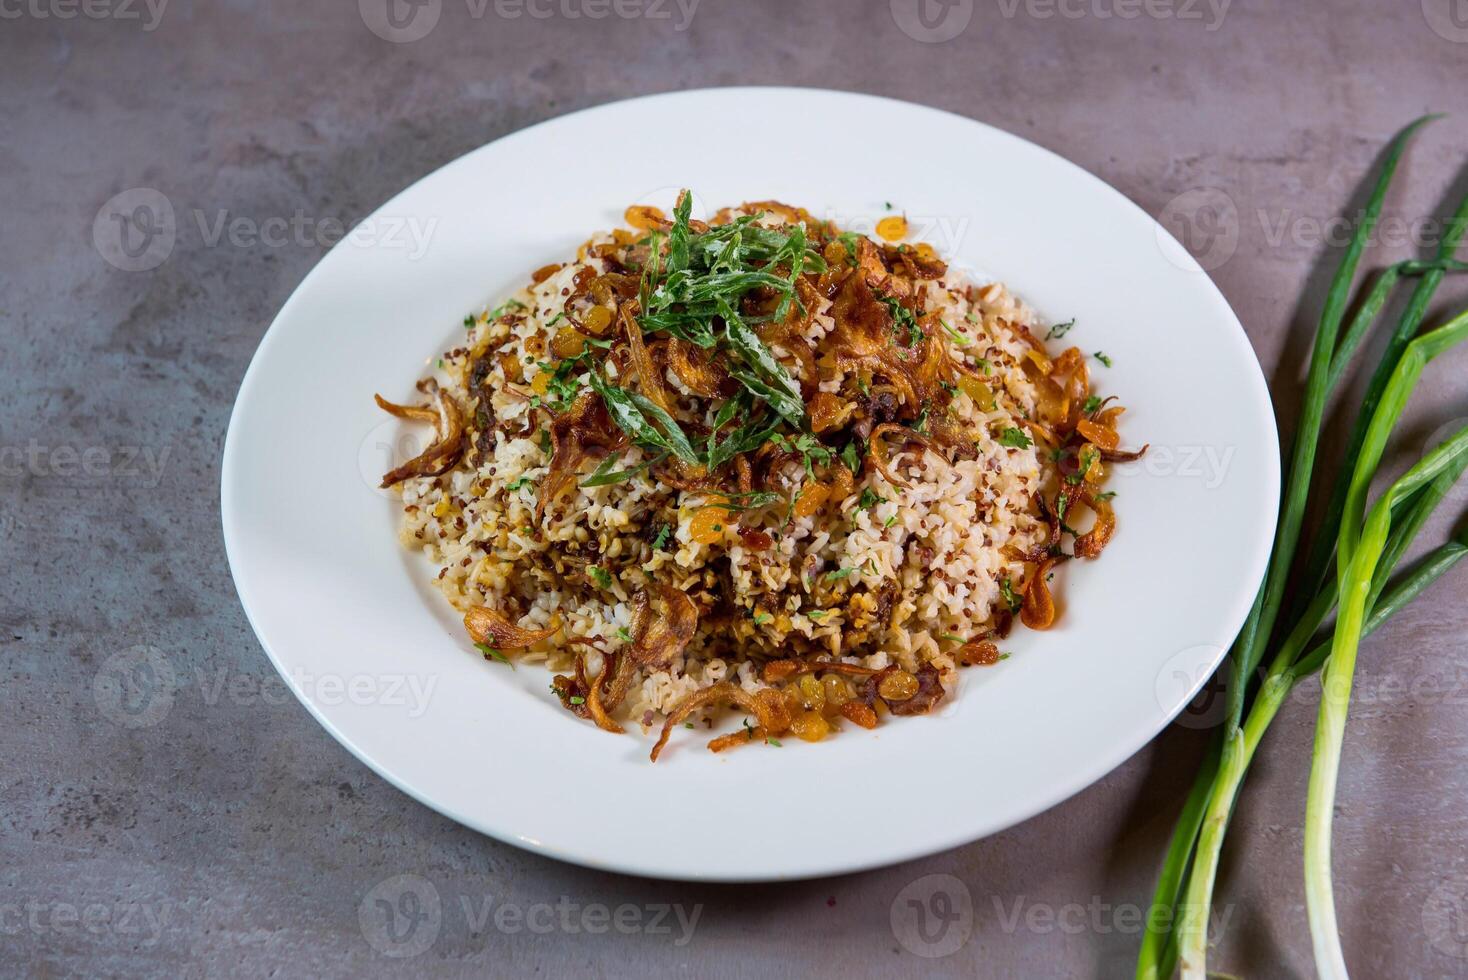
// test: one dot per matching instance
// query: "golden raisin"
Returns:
(811, 499)
(897, 686)
(893, 228)
(1101, 436)
(812, 693)
(708, 525)
(568, 342)
(982, 394)
(598, 319)
(811, 727)
(644, 217)
(541, 384)
(836, 690)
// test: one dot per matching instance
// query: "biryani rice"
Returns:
(949, 544)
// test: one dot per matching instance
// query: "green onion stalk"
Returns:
(1190, 866)
(1359, 551)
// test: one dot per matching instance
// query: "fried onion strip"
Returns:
(448, 444)
(493, 630)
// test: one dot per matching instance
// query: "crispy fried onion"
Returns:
(583, 431)
(918, 261)
(1038, 609)
(1090, 544)
(490, 629)
(781, 670)
(693, 366)
(648, 376)
(663, 621)
(768, 707)
(448, 443)
(877, 454)
(588, 699)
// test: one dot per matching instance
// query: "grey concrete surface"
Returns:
(227, 834)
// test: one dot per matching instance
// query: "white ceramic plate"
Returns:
(349, 619)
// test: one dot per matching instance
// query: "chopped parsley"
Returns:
(624, 634)
(839, 574)
(1015, 439)
(490, 653)
(808, 446)
(955, 336)
(1006, 589)
(890, 521)
(1092, 403)
(851, 457)
(1083, 464)
(1102, 357)
(505, 307)
(600, 576)
(868, 499)
(904, 319)
(920, 424)
(576, 699)
(761, 618)
(1060, 329)
(661, 538)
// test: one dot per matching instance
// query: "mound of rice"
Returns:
(884, 575)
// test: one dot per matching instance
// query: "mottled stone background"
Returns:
(222, 831)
